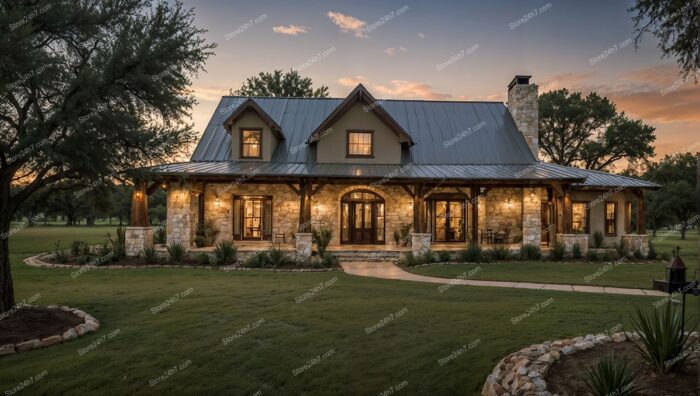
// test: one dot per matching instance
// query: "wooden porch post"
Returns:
(475, 214)
(304, 206)
(567, 210)
(139, 204)
(641, 213)
(418, 208)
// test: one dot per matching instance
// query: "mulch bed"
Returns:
(30, 323)
(566, 375)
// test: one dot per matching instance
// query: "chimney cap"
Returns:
(519, 80)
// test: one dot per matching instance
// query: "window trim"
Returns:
(347, 143)
(605, 218)
(240, 143)
(587, 208)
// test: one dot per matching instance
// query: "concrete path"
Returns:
(386, 270)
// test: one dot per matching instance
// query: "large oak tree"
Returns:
(280, 84)
(89, 89)
(589, 132)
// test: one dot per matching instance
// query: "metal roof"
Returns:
(541, 171)
(456, 133)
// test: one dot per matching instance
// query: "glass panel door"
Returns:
(441, 221)
(252, 219)
(456, 216)
(448, 217)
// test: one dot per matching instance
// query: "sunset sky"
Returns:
(450, 50)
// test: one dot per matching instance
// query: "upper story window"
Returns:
(251, 143)
(611, 218)
(360, 144)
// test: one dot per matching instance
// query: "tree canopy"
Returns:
(589, 132)
(675, 25)
(90, 90)
(280, 84)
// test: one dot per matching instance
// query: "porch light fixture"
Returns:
(216, 201)
(509, 203)
(532, 195)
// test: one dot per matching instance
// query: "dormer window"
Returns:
(360, 144)
(251, 143)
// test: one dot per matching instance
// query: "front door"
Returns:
(362, 218)
(448, 219)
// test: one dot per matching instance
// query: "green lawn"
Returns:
(622, 275)
(218, 305)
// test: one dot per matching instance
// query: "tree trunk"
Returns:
(7, 292)
(684, 228)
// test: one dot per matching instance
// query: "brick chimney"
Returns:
(522, 104)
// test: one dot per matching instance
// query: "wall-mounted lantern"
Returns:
(509, 203)
(216, 201)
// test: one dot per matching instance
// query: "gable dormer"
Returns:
(359, 130)
(254, 134)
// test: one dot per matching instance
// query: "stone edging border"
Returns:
(523, 372)
(563, 262)
(36, 261)
(89, 325)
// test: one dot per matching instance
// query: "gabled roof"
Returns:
(360, 95)
(455, 133)
(250, 105)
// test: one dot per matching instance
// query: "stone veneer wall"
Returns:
(532, 216)
(636, 242)
(499, 216)
(179, 223)
(523, 106)
(137, 238)
(285, 207)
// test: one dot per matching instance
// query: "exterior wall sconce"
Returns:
(532, 195)
(216, 201)
(138, 194)
(509, 203)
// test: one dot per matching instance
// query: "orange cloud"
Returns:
(291, 30)
(352, 81)
(397, 89)
(347, 23)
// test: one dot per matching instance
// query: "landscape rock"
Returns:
(28, 345)
(8, 349)
(48, 341)
(69, 334)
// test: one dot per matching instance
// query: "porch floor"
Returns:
(251, 246)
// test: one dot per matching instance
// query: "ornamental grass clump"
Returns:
(530, 252)
(472, 254)
(176, 252)
(612, 376)
(662, 341)
(225, 253)
(558, 251)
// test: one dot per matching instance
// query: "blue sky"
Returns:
(448, 50)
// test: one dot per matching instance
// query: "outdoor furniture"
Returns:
(280, 237)
(502, 236)
(488, 234)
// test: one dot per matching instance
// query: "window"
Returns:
(579, 217)
(611, 218)
(360, 144)
(251, 143)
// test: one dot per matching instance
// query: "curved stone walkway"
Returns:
(386, 270)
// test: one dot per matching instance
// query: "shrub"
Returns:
(444, 256)
(149, 255)
(85, 249)
(176, 252)
(405, 234)
(328, 260)
(592, 255)
(104, 249)
(499, 253)
(558, 251)
(276, 258)
(576, 251)
(530, 252)
(76, 247)
(322, 237)
(203, 259)
(472, 254)
(621, 248)
(661, 340)
(598, 239)
(59, 254)
(638, 254)
(409, 260)
(118, 244)
(225, 253)
(611, 376)
(159, 235)
(206, 234)
(652, 252)
(397, 238)
(428, 256)
(82, 260)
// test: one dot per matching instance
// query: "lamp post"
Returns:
(676, 282)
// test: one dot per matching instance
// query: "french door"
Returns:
(362, 218)
(252, 218)
(448, 220)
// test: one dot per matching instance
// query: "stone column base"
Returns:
(636, 242)
(138, 238)
(569, 240)
(420, 243)
(304, 244)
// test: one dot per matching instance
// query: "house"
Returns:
(269, 169)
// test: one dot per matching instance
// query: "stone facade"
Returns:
(504, 209)
(636, 242)
(137, 238)
(569, 240)
(179, 223)
(522, 104)
(532, 216)
(420, 243)
(304, 242)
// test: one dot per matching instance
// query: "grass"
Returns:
(622, 275)
(218, 305)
